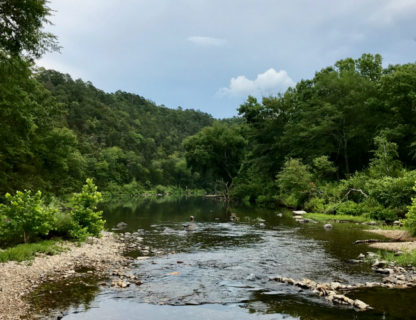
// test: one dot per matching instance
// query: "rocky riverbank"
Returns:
(102, 256)
(396, 277)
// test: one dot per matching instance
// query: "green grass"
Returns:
(28, 251)
(405, 259)
(322, 217)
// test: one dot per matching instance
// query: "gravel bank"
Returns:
(18, 279)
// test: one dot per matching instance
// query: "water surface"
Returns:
(222, 269)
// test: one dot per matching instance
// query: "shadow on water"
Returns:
(70, 294)
(222, 269)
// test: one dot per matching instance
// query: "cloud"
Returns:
(207, 41)
(267, 83)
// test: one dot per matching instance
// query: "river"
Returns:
(221, 270)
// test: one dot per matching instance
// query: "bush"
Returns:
(393, 192)
(87, 220)
(410, 221)
(315, 204)
(63, 224)
(349, 208)
(24, 216)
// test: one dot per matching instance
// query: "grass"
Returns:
(322, 217)
(405, 259)
(28, 251)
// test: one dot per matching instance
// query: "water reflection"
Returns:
(223, 267)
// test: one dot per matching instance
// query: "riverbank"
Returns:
(17, 280)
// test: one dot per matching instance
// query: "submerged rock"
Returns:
(122, 225)
(328, 226)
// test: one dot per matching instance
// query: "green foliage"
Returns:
(21, 28)
(410, 221)
(323, 168)
(385, 162)
(216, 152)
(28, 251)
(24, 216)
(295, 182)
(393, 192)
(87, 220)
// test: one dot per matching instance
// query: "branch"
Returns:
(355, 190)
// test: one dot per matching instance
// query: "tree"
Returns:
(385, 161)
(216, 151)
(21, 34)
(295, 182)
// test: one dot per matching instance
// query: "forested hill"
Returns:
(71, 130)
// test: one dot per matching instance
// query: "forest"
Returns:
(343, 142)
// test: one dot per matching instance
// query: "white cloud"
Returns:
(267, 83)
(207, 41)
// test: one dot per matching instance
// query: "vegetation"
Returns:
(322, 217)
(404, 259)
(25, 217)
(28, 251)
(410, 221)
(341, 143)
(87, 220)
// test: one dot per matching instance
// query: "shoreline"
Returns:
(18, 279)
(403, 238)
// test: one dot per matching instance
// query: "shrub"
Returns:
(393, 192)
(87, 220)
(349, 208)
(315, 204)
(25, 216)
(63, 224)
(410, 221)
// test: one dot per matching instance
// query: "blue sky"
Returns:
(210, 54)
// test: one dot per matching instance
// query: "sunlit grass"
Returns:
(28, 251)
(322, 217)
(404, 259)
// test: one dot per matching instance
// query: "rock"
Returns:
(279, 215)
(371, 255)
(384, 270)
(251, 277)
(372, 223)
(398, 253)
(361, 305)
(328, 226)
(336, 285)
(299, 212)
(121, 225)
(379, 264)
(354, 261)
(361, 256)
(398, 223)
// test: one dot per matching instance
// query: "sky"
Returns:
(210, 55)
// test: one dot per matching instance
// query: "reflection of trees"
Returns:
(64, 294)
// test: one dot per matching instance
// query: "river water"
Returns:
(221, 270)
